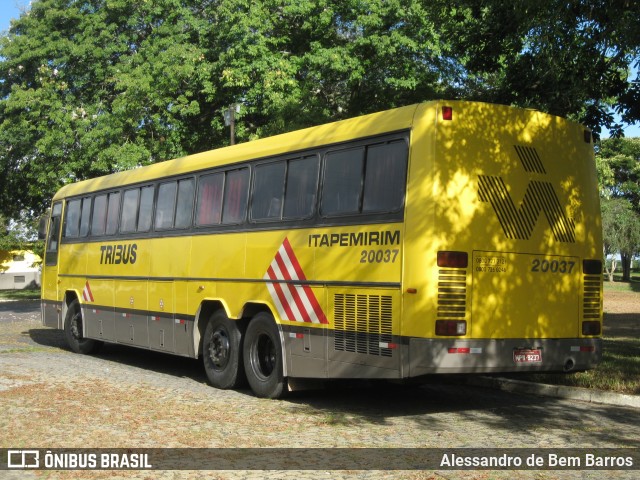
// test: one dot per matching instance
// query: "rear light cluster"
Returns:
(447, 259)
(591, 328)
(451, 328)
(452, 293)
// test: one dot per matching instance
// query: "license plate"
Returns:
(527, 355)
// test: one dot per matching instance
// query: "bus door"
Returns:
(50, 305)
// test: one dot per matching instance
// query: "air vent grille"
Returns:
(363, 324)
(452, 294)
(591, 298)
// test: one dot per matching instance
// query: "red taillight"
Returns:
(591, 328)
(447, 113)
(453, 259)
(451, 328)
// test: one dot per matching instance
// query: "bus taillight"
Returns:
(453, 259)
(591, 328)
(451, 328)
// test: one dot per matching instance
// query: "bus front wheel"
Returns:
(263, 360)
(222, 351)
(74, 331)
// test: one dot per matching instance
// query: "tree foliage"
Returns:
(89, 87)
(618, 164)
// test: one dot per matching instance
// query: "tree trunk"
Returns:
(626, 267)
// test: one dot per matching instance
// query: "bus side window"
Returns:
(129, 210)
(236, 193)
(166, 203)
(385, 177)
(268, 189)
(209, 205)
(146, 209)
(184, 209)
(99, 217)
(113, 213)
(72, 219)
(342, 182)
(302, 185)
(85, 217)
(51, 254)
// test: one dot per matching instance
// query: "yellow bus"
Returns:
(442, 237)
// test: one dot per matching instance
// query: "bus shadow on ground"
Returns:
(151, 360)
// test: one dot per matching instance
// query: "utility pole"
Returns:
(230, 121)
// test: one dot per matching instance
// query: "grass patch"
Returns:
(617, 286)
(26, 294)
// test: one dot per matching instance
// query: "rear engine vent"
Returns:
(452, 294)
(363, 324)
(591, 297)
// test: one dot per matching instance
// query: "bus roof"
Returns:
(336, 132)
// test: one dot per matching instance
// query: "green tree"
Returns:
(569, 58)
(88, 87)
(621, 233)
(96, 86)
(618, 162)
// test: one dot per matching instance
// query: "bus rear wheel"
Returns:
(74, 331)
(222, 351)
(263, 362)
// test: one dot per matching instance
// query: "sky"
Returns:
(12, 8)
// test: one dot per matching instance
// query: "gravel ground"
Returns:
(125, 397)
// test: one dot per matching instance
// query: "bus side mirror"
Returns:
(42, 228)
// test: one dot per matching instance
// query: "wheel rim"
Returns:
(264, 356)
(76, 326)
(219, 348)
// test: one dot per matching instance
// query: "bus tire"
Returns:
(74, 331)
(222, 351)
(263, 362)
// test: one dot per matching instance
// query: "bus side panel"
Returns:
(97, 309)
(131, 318)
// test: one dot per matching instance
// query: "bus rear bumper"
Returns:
(429, 356)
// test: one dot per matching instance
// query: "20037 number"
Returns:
(552, 266)
(379, 256)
